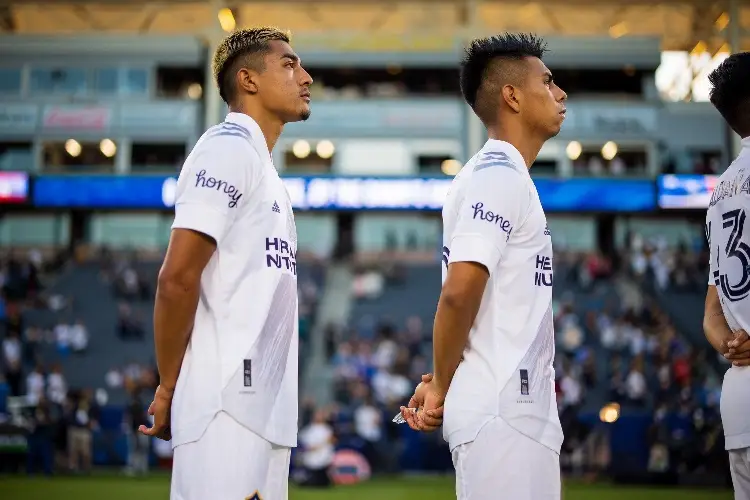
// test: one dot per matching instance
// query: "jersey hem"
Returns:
(463, 436)
(195, 430)
(737, 441)
(191, 432)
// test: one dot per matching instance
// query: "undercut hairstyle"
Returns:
(490, 63)
(730, 91)
(243, 48)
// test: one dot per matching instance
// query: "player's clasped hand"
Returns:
(161, 409)
(739, 349)
(425, 409)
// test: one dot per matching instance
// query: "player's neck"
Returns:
(526, 144)
(269, 125)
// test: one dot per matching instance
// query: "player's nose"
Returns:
(306, 80)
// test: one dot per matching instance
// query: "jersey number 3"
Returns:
(737, 249)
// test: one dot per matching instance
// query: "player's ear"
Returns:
(247, 80)
(511, 97)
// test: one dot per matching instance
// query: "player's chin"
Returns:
(555, 129)
(302, 113)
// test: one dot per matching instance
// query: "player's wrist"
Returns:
(438, 386)
(166, 390)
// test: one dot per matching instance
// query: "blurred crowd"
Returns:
(618, 353)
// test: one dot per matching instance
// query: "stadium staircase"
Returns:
(333, 310)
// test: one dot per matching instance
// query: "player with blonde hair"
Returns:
(225, 318)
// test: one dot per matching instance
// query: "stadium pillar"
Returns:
(734, 38)
(212, 100)
(476, 135)
(124, 156)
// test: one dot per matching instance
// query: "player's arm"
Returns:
(177, 293)
(715, 325)
(733, 345)
(496, 199)
(203, 217)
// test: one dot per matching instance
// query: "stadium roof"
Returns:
(680, 24)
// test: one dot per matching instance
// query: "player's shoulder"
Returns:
(226, 139)
(497, 161)
(227, 143)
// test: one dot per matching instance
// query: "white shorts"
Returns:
(230, 462)
(739, 466)
(503, 463)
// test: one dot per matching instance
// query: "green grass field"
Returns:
(157, 488)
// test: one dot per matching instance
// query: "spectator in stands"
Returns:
(57, 387)
(317, 441)
(138, 443)
(12, 350)
(588, 368)
(391, 386)
(114, 378)
(35, 385)
(32, 340)
(635, 383)
(368, 424)
(571, 388)
(62, 337)
(659, 438)
(41, 439)
(82, 421)
(79, 337)
(386, 348)
(128, 327)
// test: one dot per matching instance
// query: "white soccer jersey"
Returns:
(728, 234)
(243, 352)
(493, 216)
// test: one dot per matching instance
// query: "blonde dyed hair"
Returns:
(248, 41)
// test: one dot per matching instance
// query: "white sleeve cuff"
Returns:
(201, 218)
(474, 248)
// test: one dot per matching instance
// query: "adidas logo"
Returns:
(275, 208)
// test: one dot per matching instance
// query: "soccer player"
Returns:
(727, 312)
(493, 336)
(225, 319)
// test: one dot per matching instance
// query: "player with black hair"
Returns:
(225, 318)
(493, 335)
(726, 316)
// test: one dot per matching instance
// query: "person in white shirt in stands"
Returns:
(727, 311)
(225, 318)
(317, 440)
(493, 336)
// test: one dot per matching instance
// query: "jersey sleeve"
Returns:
(495, 203)
(214, 188)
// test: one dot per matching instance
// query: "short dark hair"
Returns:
(483, 52)
(730, 91)
(236, 48)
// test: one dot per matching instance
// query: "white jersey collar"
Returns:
(745, 143)
(252, 126)
(509, 149)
